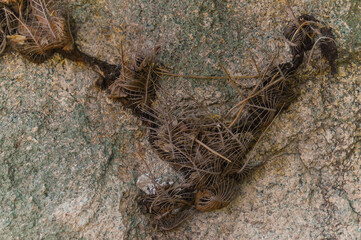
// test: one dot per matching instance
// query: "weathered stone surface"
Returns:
(69, 159)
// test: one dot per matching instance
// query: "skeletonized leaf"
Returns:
(305, 35)
(137, 83)
(2, 42)
(45, 27)
(217, 196)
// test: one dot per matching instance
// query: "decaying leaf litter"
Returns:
(208, 150)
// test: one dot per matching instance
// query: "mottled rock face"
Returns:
(69, 158)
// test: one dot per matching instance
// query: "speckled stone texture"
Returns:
(70, 158)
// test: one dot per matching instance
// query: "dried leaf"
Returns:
(45, 27)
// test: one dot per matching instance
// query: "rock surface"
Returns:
(70, 159)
